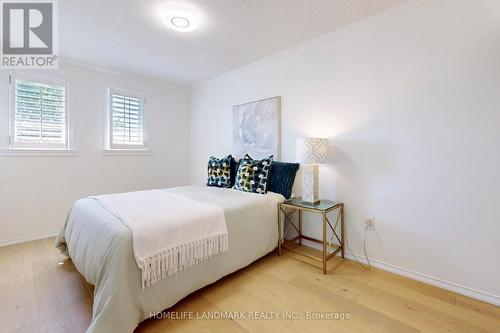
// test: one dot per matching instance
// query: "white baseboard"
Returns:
(451, 286)
(27, 239)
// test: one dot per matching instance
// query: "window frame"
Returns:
(38, 146)
(110, 146)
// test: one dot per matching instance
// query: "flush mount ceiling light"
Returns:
(179, 18)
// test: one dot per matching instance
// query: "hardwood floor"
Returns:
(38, 295)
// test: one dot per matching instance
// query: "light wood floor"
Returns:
(37, 295)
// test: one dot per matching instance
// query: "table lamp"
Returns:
(311, 151)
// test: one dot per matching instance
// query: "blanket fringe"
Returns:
(178, 258)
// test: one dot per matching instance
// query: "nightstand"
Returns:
(323, 207)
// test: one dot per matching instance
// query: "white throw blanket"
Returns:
(169, 232)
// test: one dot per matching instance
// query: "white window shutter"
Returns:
(39, 115)
(127, 121)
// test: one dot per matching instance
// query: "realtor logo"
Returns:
(28, 34)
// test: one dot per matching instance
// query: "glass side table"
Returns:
(323, 207)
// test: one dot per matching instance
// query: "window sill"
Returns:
(126, 152)
(13, 152)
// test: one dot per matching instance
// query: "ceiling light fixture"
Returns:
(180, 22)
(179, 18)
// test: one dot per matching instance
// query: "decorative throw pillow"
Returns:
(253, 174)
(281, 177)
(234, 170)
(219, 171)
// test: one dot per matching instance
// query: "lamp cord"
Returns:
(364, 250)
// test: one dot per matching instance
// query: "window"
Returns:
(126, 121)
(39, 112)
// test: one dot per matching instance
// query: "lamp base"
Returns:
(310, 184)
(311, 202)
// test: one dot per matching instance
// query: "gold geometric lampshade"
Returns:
(312, 150)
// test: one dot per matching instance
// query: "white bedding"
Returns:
(170, 232)
(100, 246)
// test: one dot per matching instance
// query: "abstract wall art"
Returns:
(256, 128)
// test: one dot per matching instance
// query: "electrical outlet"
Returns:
(370, 223)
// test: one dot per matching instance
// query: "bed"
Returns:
(100, 246)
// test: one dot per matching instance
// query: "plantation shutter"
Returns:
(127, 121)
(39, 115)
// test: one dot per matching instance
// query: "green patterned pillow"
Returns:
(252, 175)
(219, 171)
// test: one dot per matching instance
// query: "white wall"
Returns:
(36, 192)
(410, 100)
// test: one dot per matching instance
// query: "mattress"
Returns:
(100, 246)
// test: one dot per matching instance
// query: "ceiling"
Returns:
(128, 35)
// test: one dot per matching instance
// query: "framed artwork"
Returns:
(256, 128)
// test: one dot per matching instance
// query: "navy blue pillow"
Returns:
(281, 178)
(234, 170)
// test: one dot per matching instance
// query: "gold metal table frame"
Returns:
(327, 255)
